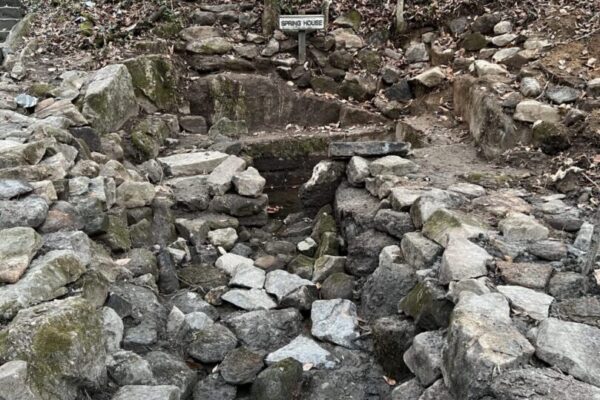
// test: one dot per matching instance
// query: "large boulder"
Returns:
(30, 211)
(154, 79)
(63, 344)
(481, 340)
(110, 99)
(570, 347)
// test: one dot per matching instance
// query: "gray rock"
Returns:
(230, 262)
(571, 347)
(550, 250)
(392, 165)
(281, 283)
(364, 250)
(410, 389)
(248, 277)
(112, 327)
(520, 227)
(280, 381)
(530, 275)
(135, 392)
(319, 190)
(566, 284)
(109, 99)
(503, 27)
(225, 238)
(239, 206)
(504, 39)
(562, 94)
(189, 302)
(338, 286)
(437, 391)
(265, 329)
(78, 358)
(427, 304)
(249, 182)
(519, 383)
(533, 110)
(305, 351)
(431, 78)
(477, 286)
(219, 180)
(469, 190)
(189, 164)
(346, 150)
(30, 211)
(253, 299)
(418, 251)
(45, 280)
(390, 282)
(13, 382)
(416, 52)
(585, 310)
(527, 301)
(241, 366)
(395, 223)
(11, 188)
(135, 194)
(392, 336)
(192, 192)
(228, 128)
(335, 321)
(402, 198)
(357, 170)
(530, 87)
(213, 387)
(481, 338)
(462, 259)
(171, 370)
(128, 368)
(486, 68)
(211, 344)
(326, 266)
(17, 247)
(424, 357)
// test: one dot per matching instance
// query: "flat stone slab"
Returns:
(305, 351)
(534, 304)
(344, 150)
(188, 164)
(250, 300)
(571, 347)
(335, 321)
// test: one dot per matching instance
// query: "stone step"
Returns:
(10, 3)
(7, 23)
(11, 12)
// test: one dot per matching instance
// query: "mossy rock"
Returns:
(168, 29)
(63, 343)
(351, 19)
(289, 148)
(489, 180)
(302, 266)
(324, 222)
(427, 304)
(444, 222)
(154, 78)
(550, 137)
(41, 90)
(369, 60)
(86, 28)
(147, 137)
(117, 233)
(329, 245)
(281, 381)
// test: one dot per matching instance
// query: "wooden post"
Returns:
(270, 16)
(301, 47)
(400, 21)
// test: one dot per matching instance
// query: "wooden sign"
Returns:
(301, 22)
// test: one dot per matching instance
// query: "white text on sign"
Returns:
(301, 22)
